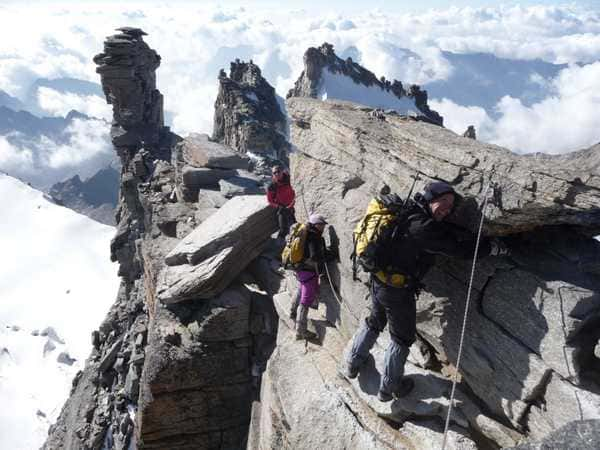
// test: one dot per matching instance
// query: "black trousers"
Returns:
(396, 307)
(285, 218)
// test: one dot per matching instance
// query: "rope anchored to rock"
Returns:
(464, 324)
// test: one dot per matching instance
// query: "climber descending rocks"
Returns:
(306, 254)
(281, 196)
(403, 253)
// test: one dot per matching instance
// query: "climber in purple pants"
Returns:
(309, 286)
(307, 273)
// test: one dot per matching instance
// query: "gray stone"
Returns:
(208, 199)
(210, 257)
(65, 358)
(110, 356)
(197, 177)
(198, 150)
(49, 347)
(576, 435)
(132, 383)
(548, 322)
(235, 186)
(224, 318)
(197, 374)
(563, 403)
(499, 369)
(52, 334)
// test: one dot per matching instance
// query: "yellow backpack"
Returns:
(382, 212)
(293, 252)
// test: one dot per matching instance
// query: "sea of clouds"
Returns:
(195, 41)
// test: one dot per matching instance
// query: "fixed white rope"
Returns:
(464, 324)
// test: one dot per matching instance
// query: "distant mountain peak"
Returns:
(326, 76)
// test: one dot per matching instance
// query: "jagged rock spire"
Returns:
(316, 60)
(127, 70)
(247, 114)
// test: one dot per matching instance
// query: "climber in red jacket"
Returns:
(281, 196)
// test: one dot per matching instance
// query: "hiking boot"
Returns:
(307, 335)
(406, 387)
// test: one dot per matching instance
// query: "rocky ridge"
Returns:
(219, 369)
(96, 197)
(318, 59)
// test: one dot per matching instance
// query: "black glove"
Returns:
(498, 248)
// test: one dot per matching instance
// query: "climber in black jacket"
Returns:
(405, 259)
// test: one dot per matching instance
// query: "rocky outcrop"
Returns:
(101, 407)
(203, 166)
(171, 375)
(206, 261)
(95, 197)
(248, 116)
(323, 59)
(470, 132)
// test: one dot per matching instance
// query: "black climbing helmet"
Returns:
(436, 189)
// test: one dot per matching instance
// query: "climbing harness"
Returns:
(464, 324)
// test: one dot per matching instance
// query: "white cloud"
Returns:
(15, 159)
(59, 104)
(566, 120)
(457, 118)
(195, 41)
(84, 148)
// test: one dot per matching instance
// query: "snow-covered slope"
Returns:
(56, 285)
(340, 87)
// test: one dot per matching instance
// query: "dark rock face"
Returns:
(95, 197)
(324, 57)
(127, 70)
(248, 117)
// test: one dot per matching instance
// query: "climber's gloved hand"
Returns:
(498, 248)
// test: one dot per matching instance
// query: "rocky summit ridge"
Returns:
(198, 352)
(319, 60)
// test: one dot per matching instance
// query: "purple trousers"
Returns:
(309, 286)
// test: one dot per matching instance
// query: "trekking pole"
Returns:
(464, 324)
